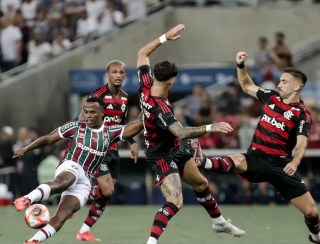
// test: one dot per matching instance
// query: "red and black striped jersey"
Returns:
(88, 146)
(116, 109)
(157, 117)
(281, 123)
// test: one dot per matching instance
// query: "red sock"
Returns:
(208, 202)
(162, 218)
(222, 165)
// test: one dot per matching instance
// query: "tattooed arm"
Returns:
(245, 80)
(192, 132)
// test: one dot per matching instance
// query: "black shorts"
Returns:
(270, 169)
(164, 165)
(110, 165)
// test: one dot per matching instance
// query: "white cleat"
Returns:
(228, 228)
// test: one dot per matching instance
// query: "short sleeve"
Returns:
(264, 95)
(115, 133)
(145, 76)
(305, 123)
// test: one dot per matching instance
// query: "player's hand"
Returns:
(241, 57)
(174, 33)
(134, 149)
(222, 127)
(19, 153)
(290, 168)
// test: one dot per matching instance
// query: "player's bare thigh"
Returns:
(106, 184)
(306, 205)
(171, 189)
(193, 177)
(240, 163)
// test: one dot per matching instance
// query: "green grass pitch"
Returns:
(131, 225)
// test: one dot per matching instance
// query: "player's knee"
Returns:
(311, 212)
(178, 202)
(240, 162)
(107, 189)
(201, 185)
(61, 184)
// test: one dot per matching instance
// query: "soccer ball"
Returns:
(37, 216)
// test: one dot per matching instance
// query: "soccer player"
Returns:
(170, 161)
(278, 144)
(115, 113)
(88, 144)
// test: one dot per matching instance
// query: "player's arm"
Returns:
(47, 139)
(245, 80)
(132, 129)
(144, 53)
(192, 132)
(300, 148)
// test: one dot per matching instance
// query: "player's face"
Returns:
(288, 85)
(116, 75)
(93, 114)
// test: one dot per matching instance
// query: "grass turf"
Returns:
(131, 225)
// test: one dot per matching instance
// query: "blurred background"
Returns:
(53, 54)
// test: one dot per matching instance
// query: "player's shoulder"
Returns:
(100, 91)
(71, 124)
(123, 93)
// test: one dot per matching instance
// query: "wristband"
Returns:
(208, 128)
(163, 38)
(240, 66)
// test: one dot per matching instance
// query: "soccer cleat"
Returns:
(229, 228)
(32, 242)
(87, 236)
(313, 241)
(198, 155)
(21, 203)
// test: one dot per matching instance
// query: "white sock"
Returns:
(219, 220)
(84, 228)
(208, 164)
(152, 240)
(315, 237)
(41, 193)
(43, 234)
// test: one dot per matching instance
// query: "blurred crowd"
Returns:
(35, 30)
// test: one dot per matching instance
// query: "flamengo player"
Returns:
(115, 113)
(88, 144)
(284, 126)
(170, 161)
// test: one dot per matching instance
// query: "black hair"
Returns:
(165, 70)
(115, 62)
(96, 100)
(296, 74)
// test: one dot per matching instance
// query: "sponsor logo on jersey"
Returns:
(90, 150)
(110, 106)
(81, 135)
(302, 122)
(271, 106)
(124, 98)
(116, 119)
(108, 97)
(273, 122)
(82, 129)
(162, 120)
(173, 165)
(288, 115)
(103, 167)
(69, 125)
(146, 113)
(144, 103)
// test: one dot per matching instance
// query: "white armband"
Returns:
(208, 128)
(163, 38)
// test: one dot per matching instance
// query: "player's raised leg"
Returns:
(193, 177)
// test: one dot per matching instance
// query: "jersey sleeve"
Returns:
(145, 76)
(164, 116)
(115, 133)
(305, 123)
(264, 95)
(67, 130)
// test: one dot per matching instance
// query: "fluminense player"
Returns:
(88, 144)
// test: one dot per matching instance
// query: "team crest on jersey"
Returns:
(288, 115)
(95, 139)
(173, 165)
(81, 135)
(123, 107)
(103, 167)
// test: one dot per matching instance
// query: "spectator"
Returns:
(193, 104)
(86, 27)
(60, 44)
(264, 193)
(207, 110)
(42, 25)
(230, 100)
(11, 43)
(38, 49)
(29, 11)
(9, 6)
(244, 195)
(282, 51)
(135, 9)
(247, 125)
